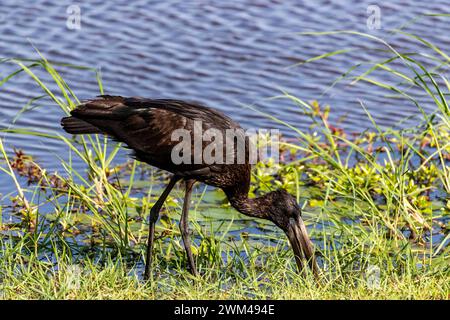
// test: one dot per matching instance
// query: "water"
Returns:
(221, 53)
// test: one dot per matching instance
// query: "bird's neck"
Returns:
(253, 207)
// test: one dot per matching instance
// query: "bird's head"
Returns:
(285, 213)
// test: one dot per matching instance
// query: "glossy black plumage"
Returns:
(146, 127)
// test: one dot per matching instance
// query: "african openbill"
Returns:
(146, 126)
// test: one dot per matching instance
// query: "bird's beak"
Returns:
(301, 244)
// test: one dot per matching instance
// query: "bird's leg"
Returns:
(184, 226)
(154, 214)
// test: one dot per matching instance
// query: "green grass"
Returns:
(25, 277)
(370, 202)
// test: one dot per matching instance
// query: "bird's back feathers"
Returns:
(147, 125)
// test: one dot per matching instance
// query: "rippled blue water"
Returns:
(223, 53)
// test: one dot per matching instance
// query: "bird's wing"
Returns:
(146, 125)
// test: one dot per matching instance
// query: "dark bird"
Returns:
(146, 126)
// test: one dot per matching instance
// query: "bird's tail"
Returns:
(87, 117)
(103, 107)
(74, 125)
